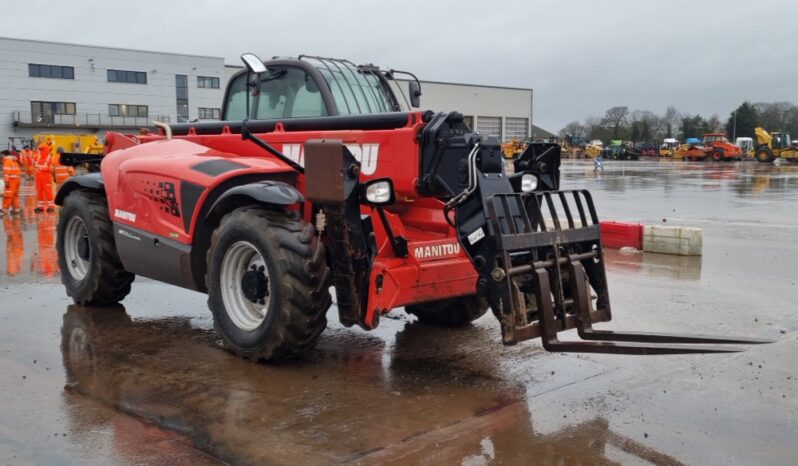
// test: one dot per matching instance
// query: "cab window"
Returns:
(285, 92)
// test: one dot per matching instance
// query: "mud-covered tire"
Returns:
(298, 282)
(452, 312)
(105, 280)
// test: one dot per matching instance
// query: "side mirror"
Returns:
(254, 64)
(415, 93)
(379, 192)
(254, 69)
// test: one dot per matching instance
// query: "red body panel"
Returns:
(142, 180)
(730, 151)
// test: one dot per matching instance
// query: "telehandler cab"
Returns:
(318, 177)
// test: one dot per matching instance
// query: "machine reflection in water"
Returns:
(345, 403)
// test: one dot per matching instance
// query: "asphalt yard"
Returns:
(149, 383)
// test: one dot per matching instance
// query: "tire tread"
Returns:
(112, 283)
(305, 283)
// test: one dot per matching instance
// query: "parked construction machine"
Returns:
(746, 145)
(513, 148)
(668, 147)
(85, 143)
(592, 151)
(771, 146)
(719, 148)
(318, 176)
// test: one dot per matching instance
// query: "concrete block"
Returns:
(683, 241)
(665, 231)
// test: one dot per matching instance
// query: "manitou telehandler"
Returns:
(317, 177)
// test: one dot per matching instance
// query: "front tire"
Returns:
(765, 155)
(90, 267)
(452, 312)
(268, 284)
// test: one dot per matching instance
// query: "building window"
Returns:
(125, 110)
(208, 113)
(181, 91)
(50, 71)
(207, 82)
(122, 76)
(45, 112)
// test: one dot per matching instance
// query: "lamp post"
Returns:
(734, 130)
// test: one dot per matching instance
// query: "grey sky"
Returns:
(581, 57)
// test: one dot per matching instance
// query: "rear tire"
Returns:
(90, 267)
(268, 284)
(717, 156)
(765, 155)
(452, 312)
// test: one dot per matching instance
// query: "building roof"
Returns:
(489, 86)
(108, 47)
(538, 132)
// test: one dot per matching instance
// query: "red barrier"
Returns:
(617, 235)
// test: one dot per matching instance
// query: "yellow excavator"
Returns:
(771, 146)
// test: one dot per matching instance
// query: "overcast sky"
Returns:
(580, 57)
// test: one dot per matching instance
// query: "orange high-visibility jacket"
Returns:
(62, 172)
(44, 159)
(26, 158)
(10, 167)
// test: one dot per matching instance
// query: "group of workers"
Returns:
(42, 165)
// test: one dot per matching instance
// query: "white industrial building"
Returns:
(504, 112)
(50, 87)
(55, 87)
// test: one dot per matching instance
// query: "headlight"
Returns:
(379, 192)
(529, 182)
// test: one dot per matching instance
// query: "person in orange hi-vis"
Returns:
(62, 172)
(11, 177)
(26, 160)
(15, 245)
(44, 178)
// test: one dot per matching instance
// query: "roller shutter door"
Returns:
(489, 126)
(516, 128)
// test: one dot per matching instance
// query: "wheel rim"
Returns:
(77, 251)
(245, 285)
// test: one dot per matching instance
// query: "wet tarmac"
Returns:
(149, 383)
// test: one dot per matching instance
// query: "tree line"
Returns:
(646, 126)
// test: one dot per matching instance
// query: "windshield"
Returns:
(285, 92)
(355, 90)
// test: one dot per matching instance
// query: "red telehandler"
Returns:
(317, 177)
